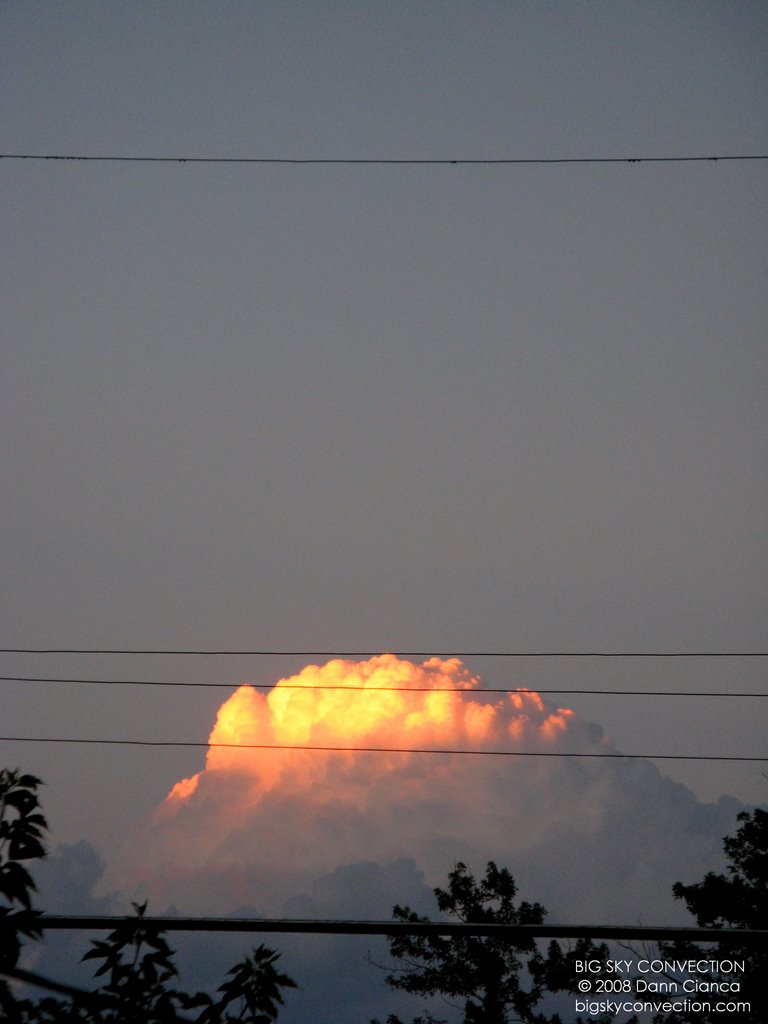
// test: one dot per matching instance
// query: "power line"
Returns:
(376, 750)
(78, 995)
(445, 653)
(386, 161)
(386, 689)
(73, 922)
(40, 981)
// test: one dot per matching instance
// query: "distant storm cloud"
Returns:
(257, 825)
(384, 702)
(345, 797)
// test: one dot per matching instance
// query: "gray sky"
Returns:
(380, 407)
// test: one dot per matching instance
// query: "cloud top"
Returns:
(384, 702)
(266, 816)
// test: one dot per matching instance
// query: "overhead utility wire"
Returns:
(385, 161)
(78, 995)
(40, 981)
(468, 691)
(445, 653)
(374, 750)
(71, 922)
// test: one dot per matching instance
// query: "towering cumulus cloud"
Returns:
(382, 704)
(423, 765)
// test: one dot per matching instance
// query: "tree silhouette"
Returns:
(494, 979)
(737, 899)
(136, 964)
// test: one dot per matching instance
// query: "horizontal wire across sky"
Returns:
(378, 750)
(385, 161)
(464, 691)
(385, 750)
(445, 653)
(73, 922)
